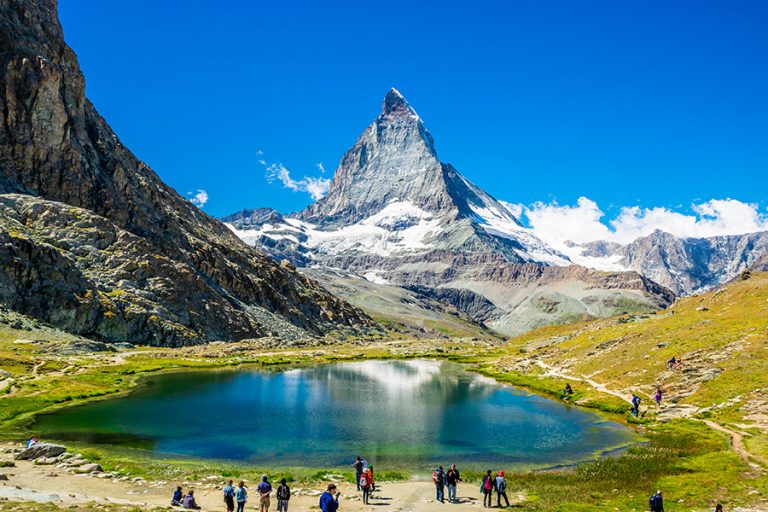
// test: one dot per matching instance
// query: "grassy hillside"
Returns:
(721, 337)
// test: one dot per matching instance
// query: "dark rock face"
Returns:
(39, 450)
(83, 218)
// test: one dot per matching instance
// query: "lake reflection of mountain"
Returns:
(407, 413)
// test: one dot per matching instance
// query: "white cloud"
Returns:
(582, 222)
(320, 167)
(315, 187)
(199, 198)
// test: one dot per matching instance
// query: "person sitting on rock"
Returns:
(32, 441)
(189, 501)
(568, 391)
(671, 363)
(177, 497)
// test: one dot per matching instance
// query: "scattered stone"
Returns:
(662, 344)
(89, 468)
(3, 476)
(41, 450)
(702, 308)
(42, 461)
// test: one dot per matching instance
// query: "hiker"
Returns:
(568, 391)
(241, 496)
(283, 495)
(329, 501)
(671, 363)
(718, 508)
(177, 496)
(501, 489)
(487, 488)
(656, 503)
(358, 465)
(678, 364)
(635, 405)
(189, 501)
(366, 485)
(658, 396)
(264, 489)
(370, 477)
(229, 496)
(32, 441)
(438, 477)
(452, 478)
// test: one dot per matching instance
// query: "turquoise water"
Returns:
(400, 413)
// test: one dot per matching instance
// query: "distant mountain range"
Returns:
(396, 215)
(92, 241)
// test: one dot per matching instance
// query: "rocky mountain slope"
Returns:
(93, 241)
(395, 214)
(684, 265)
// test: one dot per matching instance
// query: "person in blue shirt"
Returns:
(241, 496)
(229, 496)
(177, 497)
(329, 501)
(264, 489)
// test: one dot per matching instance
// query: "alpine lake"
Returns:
(410, 414)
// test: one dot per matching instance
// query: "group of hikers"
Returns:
(443, 479)
(364, 478)
(238, 496)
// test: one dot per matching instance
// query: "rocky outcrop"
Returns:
(40, 450)
(92, 238)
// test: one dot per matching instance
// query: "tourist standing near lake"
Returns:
(329, 501)
(487, 489)
(241, 496)
(358, 465)
(438, 477)
(501, 489)
(635, 405)
(229, 496)
(264, 489)
(366, 485)
(452, 478)
(283, 495)
(656, 503)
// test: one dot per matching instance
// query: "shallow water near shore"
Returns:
(405, 414)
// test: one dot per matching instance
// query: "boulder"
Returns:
(41, 450)
(89, 468)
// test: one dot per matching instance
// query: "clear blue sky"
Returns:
(628, 103)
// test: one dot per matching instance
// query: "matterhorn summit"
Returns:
(396, 215)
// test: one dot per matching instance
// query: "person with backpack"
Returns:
(658, 396)
(264, 489)
(656, 503)
(438, 477)
(501, 489)
(366, 485)
(635, 405)
(329, 501)
(358, 465)
(283, 495)
(229, 496)
(371, 480)
(452, 478)
(487, 489)
(241, 496)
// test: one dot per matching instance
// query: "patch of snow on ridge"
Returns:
(375, 278)
(401, 226)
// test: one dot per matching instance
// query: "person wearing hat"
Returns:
(438, 477)
(329, 501)
(501, 489)
(656, 503)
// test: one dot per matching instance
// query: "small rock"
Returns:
(3, 476)
(89, 468)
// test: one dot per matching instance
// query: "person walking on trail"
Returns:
(329, 501)
(177, 497)
(438, 477)
(366, 485)
(487, 489)
(370, 477)
(658, 396)
(229, 496)
(656, 503)
(358, 465)
(264, 489)
(501, 489)
(241, 496)
(635, 405)
(452, 478)
(283, 495)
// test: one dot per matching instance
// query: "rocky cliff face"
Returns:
(84, 221)
(395, 214)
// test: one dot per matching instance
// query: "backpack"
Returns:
(283, 492)
(487, 484)
(438, 477)
(653, 503)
